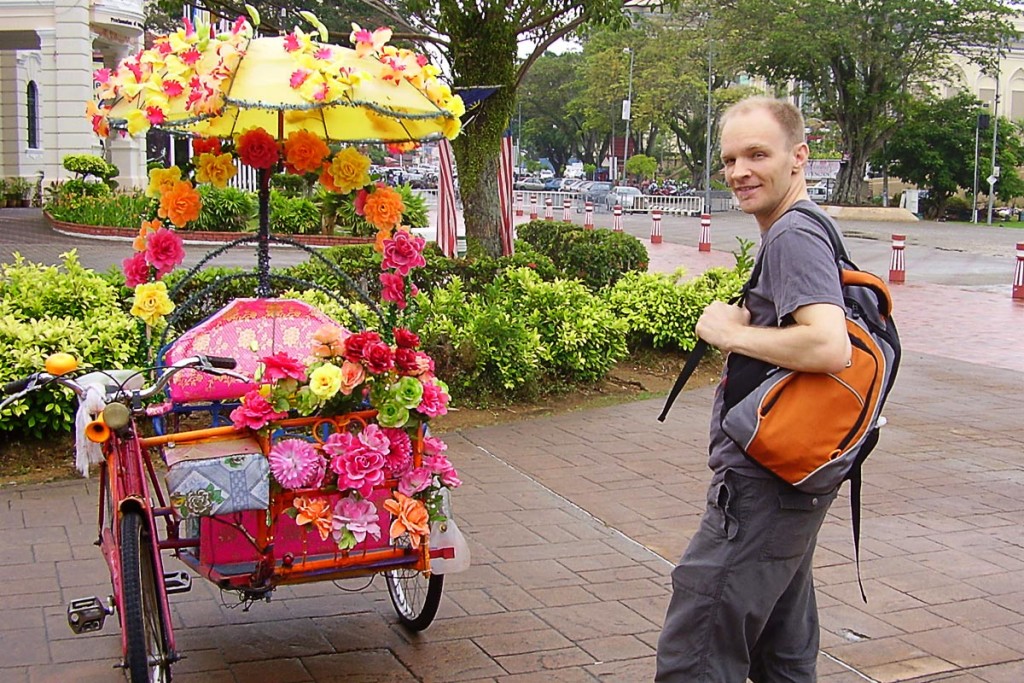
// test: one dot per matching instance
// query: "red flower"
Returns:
(136, 270)
(393, 289)
(378, 357)
(164, 251)
(356, 344)
(205, 146)
(406, 362)
(258, 148)
(406, 339)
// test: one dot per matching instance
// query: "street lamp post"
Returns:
(627, 111)
(707, 135)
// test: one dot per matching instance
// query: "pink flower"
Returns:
(352, 375)
(393, 289)
(442, 467)
(433, 445)
(299, 77)
(359, 470)
(359, 517)
(293, 462)
(282, 366)
(378, 358)
(339, 443)
(435, 399)
(399, 455)
(415, 480)
(403, 252)
(375, 439)
(255, 412)
(164, 251)
(136, 270)
(359, 203)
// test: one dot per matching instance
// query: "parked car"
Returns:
(553, 184)
(818, 194)
(631, 199)
(530, 184)
(596, 192)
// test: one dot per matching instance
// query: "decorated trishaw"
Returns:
(314, 461)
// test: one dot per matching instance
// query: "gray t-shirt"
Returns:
(799, 268)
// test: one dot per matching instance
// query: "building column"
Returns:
(67, 74)
(9, 157)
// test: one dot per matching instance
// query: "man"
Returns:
(743, 600)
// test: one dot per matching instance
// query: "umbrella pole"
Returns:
(263, 240)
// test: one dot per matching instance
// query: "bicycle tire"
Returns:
(415, 597)
(146, 656)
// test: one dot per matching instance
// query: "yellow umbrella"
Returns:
(219, 87)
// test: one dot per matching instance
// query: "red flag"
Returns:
(446, 219)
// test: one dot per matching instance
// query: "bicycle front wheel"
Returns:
(147, 659)
(415, 597)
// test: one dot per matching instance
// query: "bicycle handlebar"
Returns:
(214, 365)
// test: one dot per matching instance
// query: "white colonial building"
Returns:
(48, 52)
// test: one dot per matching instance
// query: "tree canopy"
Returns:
(861, 61)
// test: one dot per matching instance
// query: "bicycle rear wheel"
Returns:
(147, 659)
(415, 597)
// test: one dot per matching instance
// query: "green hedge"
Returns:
(598, 258)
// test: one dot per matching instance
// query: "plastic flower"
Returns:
(441, 466)
(359, 469)
(352, 375)
(216, 169)
(354, 519)
(378, 357)
(255, 412)
(392, 414)
(164, 251)
(257, 148)
(415, 480)
(393, 289)
(368, 43)
(151, 302)
(435, 399)
(350, 170)
(315, 511)
(407, 392)
(293, 462)
(403, 252)
(405, 339)
(145, 230)
(325, 381)
(180, 204)
(356, 343)
(328, 341)
(161, 180)
(136, 270)
(411, 518)
(282, 366)
(205, 146)
(304, 152)
(384, 208)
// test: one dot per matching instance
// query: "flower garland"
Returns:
(347, 371)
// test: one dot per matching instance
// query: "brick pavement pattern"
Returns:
(574, 522)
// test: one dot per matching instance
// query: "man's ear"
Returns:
(800, 155)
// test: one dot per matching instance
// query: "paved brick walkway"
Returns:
(574, 522)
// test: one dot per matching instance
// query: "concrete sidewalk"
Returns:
(574, 522)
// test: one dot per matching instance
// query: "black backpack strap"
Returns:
(838, 248)
(699, 349)
(855, 482)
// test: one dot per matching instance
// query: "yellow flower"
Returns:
(216, 169)
(162, 179)
(325, 381)
(450, 128)
(137, 121)
(350, 170)
(151, 302)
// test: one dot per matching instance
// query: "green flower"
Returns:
(391, 414)
(407, 392)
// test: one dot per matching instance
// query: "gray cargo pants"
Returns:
(743, 595)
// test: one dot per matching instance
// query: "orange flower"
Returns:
(145, 230)
(257, 148)
(350, 170)
(304, 152)
(411, 517)
(382, 235)
(383, 208)
(161, 180)
(180, 204)
(318, 511)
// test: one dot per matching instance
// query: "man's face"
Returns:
(763, 169)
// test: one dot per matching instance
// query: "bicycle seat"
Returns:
(246, 330)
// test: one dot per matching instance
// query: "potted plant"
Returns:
(17, 191)
(3, 192)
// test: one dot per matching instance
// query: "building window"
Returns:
(33, 115)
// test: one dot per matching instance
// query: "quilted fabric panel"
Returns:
(216, 486)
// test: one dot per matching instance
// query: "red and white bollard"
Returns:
(1018, 273)
(567, 210)
(617, 218)
(588, 216)
(656, 226)
(549, 210)
(898, 263)
(533, 207)
(519, 204)
(704, 241)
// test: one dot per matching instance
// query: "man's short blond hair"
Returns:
(784, 112)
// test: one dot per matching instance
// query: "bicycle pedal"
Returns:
(86, 615)
(177, 582)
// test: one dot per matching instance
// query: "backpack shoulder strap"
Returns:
(831, 231)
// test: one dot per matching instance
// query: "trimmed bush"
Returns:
(598, 258)
(293, 215)
(226, 210)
